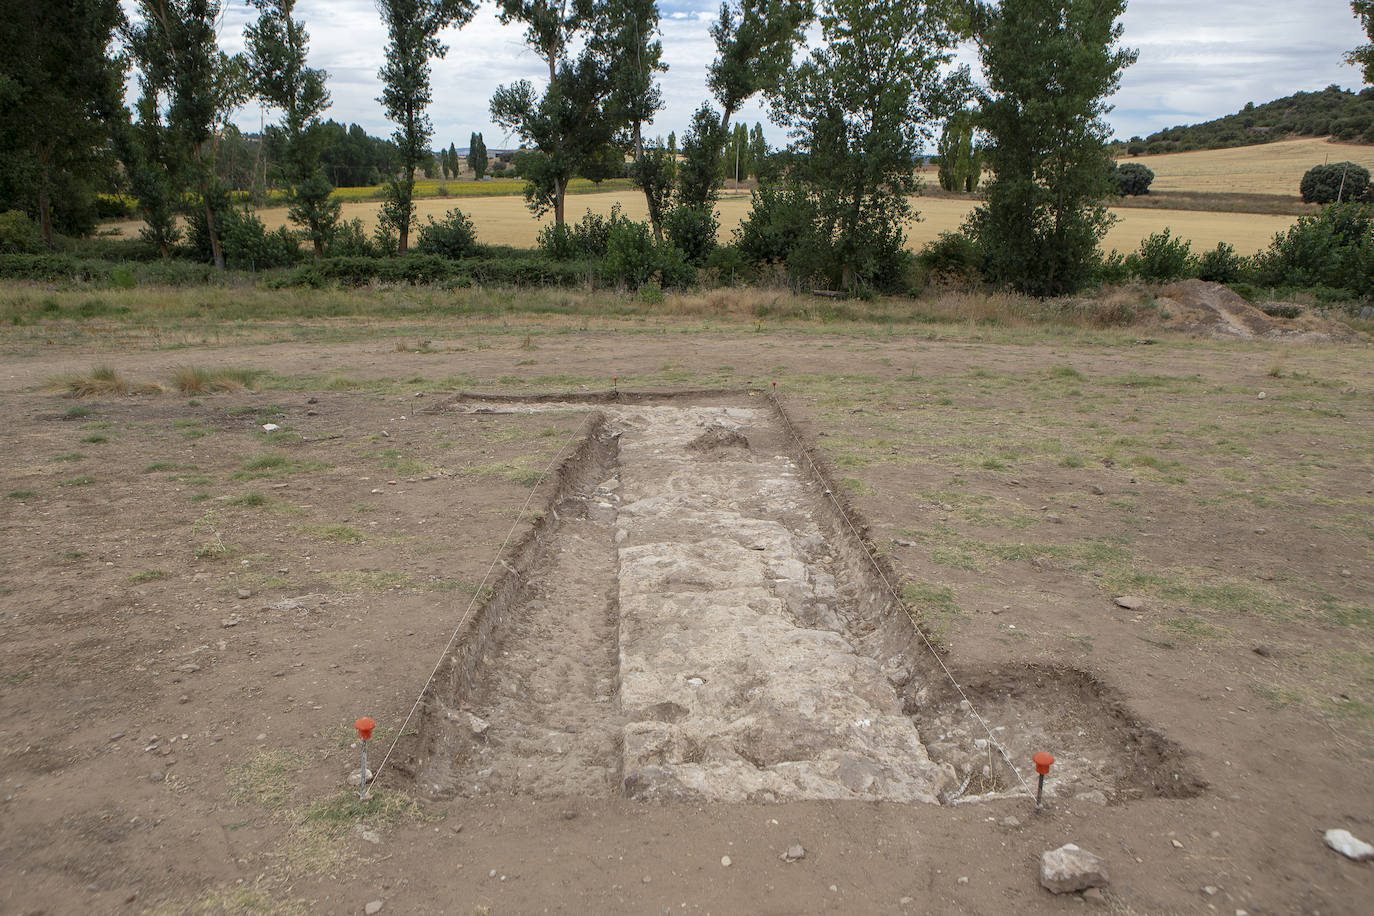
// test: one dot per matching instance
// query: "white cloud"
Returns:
(1197, 61)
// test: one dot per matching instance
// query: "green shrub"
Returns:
(1112, 269)
(779, 222)
(1222, 265)
(630, 258)
(1334, 250)
(693, 230)
(52, 268)
(1322, 184)
(1133, 179)
(952, 256)
(18, 234)
(351, 241)
(112, 207)
(588, 238)
(452, 237)
(1162, 258)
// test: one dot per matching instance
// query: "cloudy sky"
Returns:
(1198, 60)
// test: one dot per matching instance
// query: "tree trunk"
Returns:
(558, 190)
(655, 218)
(319, 249)
(45, 214)
(403, 213)
(44, 198)
(210, 229)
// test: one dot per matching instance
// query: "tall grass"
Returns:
(194, 380)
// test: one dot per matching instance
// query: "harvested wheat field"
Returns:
(642, 632)
(1269, 168)
(507, 221)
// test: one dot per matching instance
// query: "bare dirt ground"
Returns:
(194, 610)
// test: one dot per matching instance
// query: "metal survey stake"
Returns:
(365, 725)
(1042, 760)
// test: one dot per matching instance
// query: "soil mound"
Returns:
(1215, 310)
(718, 440)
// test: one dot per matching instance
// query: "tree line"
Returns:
(860, 104)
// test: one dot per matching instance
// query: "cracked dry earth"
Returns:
(692, 632)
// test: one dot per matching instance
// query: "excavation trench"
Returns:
(695, 617)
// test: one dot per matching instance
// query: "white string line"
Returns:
(992, 739)
(477, 594)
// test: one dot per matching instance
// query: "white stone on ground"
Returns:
(1069, 869)
(1348, 845)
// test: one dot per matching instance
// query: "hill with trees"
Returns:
(1333, 112)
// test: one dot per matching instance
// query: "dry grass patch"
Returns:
(102, 381)
(194, 380)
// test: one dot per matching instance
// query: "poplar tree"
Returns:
(1050, 66)
(754, 41)
(277, 47)
(479, 156)
(60, 90)
(579, 114)
(860, 109)
(182, 69)
(412, 29)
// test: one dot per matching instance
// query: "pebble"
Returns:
(1094, 893)
(1054, 519)
(492, 873)
(1261, 396)
(794, 853)
(1348, 845)
(1346, 574)
(962, 880)
(1176, 844)
(245, 593)
(1209, 890)
(1098, 491)
(1130, 602)
(228, 622)
(1011, 821)
(373, 908)
(725, 861)
(906, 901)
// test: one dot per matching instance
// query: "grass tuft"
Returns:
(194, 380)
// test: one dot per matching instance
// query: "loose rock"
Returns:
(1130, 602)
(478, 725)
(794, 853)
(1348, 845)
(1098, 491)
(1069, 869)
(373, 908)
(725, 861)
